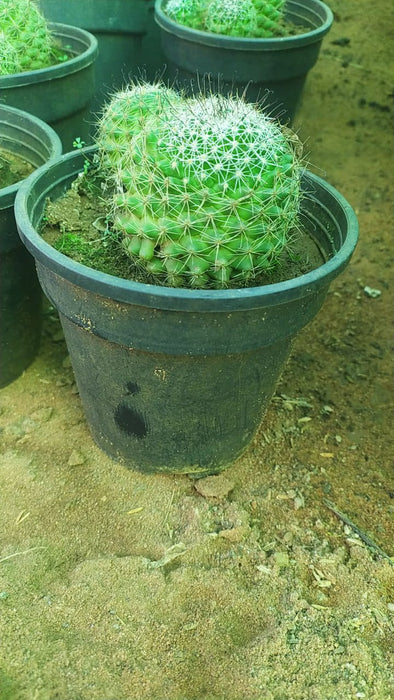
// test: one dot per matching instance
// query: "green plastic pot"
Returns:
(177, 380)
(273, 70)
(59, 95)
(127, 35)
(20, 294)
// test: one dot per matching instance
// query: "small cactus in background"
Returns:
(242, 18)
(188, 12)
(206, 189)
(231, 17)
(25, 40)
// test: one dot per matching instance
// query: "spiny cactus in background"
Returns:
(242, 18)
(25, 40)
(269, 16)
(188, 12)
(231, 17)
(207, 189)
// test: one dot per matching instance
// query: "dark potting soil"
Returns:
(13, 168)
(77, 224)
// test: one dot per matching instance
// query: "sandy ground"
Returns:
(119, 586)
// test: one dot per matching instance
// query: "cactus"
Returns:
(231, 17)
(25, 40)
(242, 18)
(207, 189)
(125, 115)
(188, 12)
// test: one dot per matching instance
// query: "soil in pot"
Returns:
(13, 169)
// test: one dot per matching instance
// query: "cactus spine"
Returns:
(207, 189)
(239, 18)
(25, 40)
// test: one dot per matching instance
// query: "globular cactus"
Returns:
(242, 18)
(125, 116)
(269, 17)
(188, 12)
(231, 17)
(207, 189)
(25, 40)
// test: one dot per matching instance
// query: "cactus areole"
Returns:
(206, 189)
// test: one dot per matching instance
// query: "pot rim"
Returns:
(243, 43)
(172, 298)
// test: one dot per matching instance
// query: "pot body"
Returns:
(20, 294)
(269, 70)
(59, 95)
(127, 35)
(177, 380)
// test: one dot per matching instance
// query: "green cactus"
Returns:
(25, 40)
(231, 17)
(269, 17)
(207, 189)
(242, 18)
(188, 12)
(125, 115)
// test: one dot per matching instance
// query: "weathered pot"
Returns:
(127, 35)
(177, 380)
(20, 294)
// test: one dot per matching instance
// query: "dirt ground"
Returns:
(120, 586)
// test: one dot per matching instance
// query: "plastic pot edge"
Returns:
(8, 193)
(170, 298)
(244, 44)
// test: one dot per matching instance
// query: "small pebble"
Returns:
(42, 414)
(75, 459)
(58, 336)
(217, 487)
(282, 559)
(66, 362)
(372, 293)
(235, 534)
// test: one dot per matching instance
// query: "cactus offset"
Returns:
(125, 116)
(242, 18)
(25, 41)
(207, 189)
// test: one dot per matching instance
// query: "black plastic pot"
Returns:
(20, 294)
(273, 70)
(128, 38)
(59, 95)
(177, 380)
